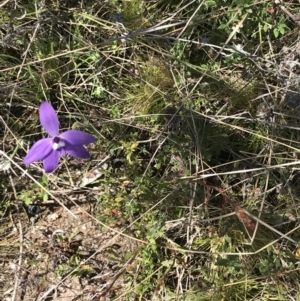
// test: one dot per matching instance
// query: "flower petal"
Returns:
(75, 137)
(39, 151)
(77, 151)
(51, 162)
(62, 152)
(49, 119)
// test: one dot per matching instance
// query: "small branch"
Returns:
(17, 273)
(3, 3)
(296, 19)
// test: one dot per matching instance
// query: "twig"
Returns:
(235, 30)
(17, 273)
(3, 3)
(296, 19)
(246, 217)
(190, 20)
(121, 272)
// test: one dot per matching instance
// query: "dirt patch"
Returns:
(60, 257)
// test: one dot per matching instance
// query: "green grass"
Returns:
(198, 197)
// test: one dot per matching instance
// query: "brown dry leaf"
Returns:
(244, 218)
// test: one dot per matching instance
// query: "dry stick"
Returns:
(171, 17)
(132, 289)
(258, 220)
(120, 273)
(266, 187)
(190, 20)
(17, 273)
(239, 253)
(263, 169)
(27, 49)
(244, 216)
(296, 19)
(161, 281)
(47, 58)
(3, 3)
(262, 203)
(235, 30)
(156, 151)
(194, 187)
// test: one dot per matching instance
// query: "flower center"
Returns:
(58, 143)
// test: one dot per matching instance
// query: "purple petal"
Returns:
(75, 137)
(51, 162)
(39, 151)
(49, 119)
(62, 152)
(77, 151)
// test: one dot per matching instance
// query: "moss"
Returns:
(148, 95)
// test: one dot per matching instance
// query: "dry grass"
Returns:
(192, 189)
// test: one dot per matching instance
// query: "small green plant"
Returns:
(35, 193)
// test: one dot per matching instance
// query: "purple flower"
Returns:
(50, 149)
